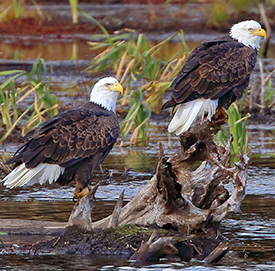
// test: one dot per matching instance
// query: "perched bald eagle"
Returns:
(71, 144)
(215, 74)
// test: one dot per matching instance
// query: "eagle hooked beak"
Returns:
(116, 87)
(259, 32)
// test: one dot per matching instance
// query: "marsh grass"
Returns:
(267, 91)
(219, 12)
(13, 96)
(243, 5)
(136, 60)
(73, 4)
(15, 9)
(269, 95)
(236, 127)
(18, 7)
(137, 120)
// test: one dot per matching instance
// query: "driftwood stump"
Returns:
(187, 200)
(187, 195)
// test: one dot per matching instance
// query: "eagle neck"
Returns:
(108, 102)
(99, 106)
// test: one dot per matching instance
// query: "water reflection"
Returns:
(251, 235)
(49, 262)
(79, 49)
(54, 51)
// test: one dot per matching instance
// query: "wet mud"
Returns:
(121, 241)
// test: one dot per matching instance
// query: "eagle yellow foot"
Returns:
(221, 114)
(80, 192)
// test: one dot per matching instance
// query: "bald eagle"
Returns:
(215, 74)
(71, 144)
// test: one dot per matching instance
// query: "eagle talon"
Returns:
(81, 192)
(221, 114)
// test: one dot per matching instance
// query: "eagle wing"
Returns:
(70, 137)
(215, 70)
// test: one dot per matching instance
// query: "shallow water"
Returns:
(251, 234)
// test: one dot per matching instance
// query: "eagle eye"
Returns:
(107, 84)
(250, 29)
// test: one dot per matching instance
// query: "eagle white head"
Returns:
(250, 33)
(105, 93)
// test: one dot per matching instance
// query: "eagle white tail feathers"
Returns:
(188, 112)
(29, 176)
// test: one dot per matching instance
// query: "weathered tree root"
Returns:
(185, 200)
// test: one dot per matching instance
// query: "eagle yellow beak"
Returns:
(117, 87)
(259, 32)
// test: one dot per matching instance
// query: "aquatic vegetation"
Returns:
(221, 10)
(269, 95)
(243, 5)
(236, 127)
(15, 9)
(18, 8)
(219, 14)
(137, 120)
(73, 4)
(12, 96)
(137, 60)
(267, 90)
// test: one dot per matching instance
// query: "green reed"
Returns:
(12, 96)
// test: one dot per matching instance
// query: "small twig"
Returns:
(269, 77)
(196, 249)
(152, 237)
(56, 241)
(131, 247)
(124, 174)
(262, 86)
(271, 104)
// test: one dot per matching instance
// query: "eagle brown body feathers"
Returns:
(217, 69)
(78, 140)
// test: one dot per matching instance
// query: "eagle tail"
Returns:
(29, 176)
(188, 112)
